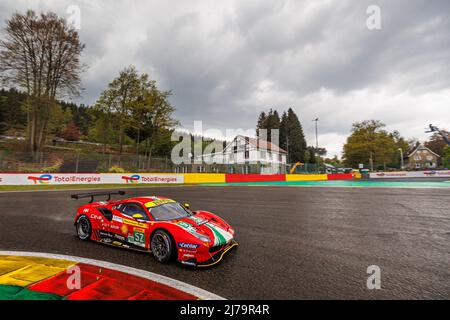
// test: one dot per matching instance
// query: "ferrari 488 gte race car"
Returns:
(158, 225)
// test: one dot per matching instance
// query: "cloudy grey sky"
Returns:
(228, 60)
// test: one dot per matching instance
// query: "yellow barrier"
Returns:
(306, 177)
(204, 178)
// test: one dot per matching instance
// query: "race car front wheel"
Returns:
(161, 246)
(84, 229)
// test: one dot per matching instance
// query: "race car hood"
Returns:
(204, 223)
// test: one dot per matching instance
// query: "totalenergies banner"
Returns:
(88, 178)
(411, 174)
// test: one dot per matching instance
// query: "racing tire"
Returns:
(162, 246)
(84, 228)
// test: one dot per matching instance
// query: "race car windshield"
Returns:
(169, 211)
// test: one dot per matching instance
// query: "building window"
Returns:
(235, 149)
(247, 154)
(280, 158)
(262, 154)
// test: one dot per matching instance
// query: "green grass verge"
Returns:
(83, 186)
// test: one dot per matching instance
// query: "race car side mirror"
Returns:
(186, 205)
(138, 216)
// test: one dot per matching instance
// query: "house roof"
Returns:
(263, 144)
(421, 147)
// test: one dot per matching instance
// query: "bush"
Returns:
(116, 169)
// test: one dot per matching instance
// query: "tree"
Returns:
(153, 119)
(436, 143)
(137, 108)
(12, 109)
(292, 137)
(400, 143)
(59, 120)
(269, 122)
(102, 130)
(2, 117)
(369, 140)
(122, 98)
(71, 132)
(261, 122)
(446, 157)
(41, 55)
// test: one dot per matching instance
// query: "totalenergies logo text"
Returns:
(43, 179)
(132, 179)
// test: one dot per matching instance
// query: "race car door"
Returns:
(131, 232)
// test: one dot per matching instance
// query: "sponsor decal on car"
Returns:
(137, 237)
(106, 234)
(135, 223)
(119, 237)
(117, 219)
(124, 229)
(158, 203)
(188, 245)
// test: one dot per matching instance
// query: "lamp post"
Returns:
(317, 145)
(402, 162)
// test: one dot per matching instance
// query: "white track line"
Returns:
(200, 293)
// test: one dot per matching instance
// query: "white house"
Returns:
(249, 155)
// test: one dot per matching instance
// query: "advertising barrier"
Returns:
(255, 177)
(157, 178)
(204, 178)
(411, 174)
(306, 177)
(88, 178)
(341, 176)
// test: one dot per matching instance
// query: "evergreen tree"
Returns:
(294, 137)
(269, 122)
(261, 122)
(284, 131)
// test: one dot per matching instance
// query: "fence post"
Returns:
(77, 162)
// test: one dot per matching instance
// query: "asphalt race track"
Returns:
(295, 243)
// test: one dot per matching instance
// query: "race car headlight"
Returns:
(202, 237)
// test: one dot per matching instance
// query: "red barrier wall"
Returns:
(254, 177)
(340, 176)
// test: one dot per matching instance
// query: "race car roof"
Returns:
(150, 201)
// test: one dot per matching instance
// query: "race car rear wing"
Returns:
(92, 195)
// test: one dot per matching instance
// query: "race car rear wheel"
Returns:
(161, 246)
(84, 228)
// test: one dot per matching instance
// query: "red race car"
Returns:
(155, 224)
